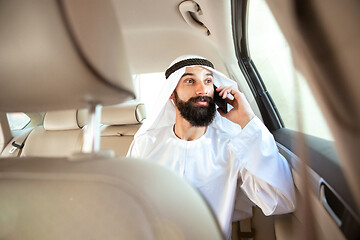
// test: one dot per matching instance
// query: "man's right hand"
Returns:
(241, 113)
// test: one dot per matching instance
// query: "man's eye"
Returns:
(189, 80)
(208, 81)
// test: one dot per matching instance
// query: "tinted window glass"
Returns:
(148, 86)
(271, 55)
(18, 120)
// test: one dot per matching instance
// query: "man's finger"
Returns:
(222, 92)
(220, 88)
(225, 92)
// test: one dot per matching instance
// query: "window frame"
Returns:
(268, 110)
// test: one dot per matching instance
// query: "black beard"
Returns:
(197, 116)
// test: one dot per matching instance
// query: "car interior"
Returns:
(82, 75)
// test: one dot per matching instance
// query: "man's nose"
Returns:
(202, 89)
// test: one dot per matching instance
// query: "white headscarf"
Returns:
(163, 113)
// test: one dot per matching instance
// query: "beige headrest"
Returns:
(58, 55)
(123, 114)
(65, 120)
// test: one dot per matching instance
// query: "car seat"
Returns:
(60, 136)
(70, 54)
(120, 123)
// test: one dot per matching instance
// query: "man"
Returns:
(211, 149)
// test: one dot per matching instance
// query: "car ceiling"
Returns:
(157, 30)
(92, 38)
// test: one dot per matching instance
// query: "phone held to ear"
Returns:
(222, 103)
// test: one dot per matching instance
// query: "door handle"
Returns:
(325, 193)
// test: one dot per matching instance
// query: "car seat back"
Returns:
(61, 135)
(120, 123)
(101, 198)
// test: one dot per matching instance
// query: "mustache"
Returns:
(201, 98)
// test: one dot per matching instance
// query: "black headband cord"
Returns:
(187, 62)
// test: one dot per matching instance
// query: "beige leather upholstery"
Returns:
(121, 124)
(5, 133)
(73, 54)
(60, 136)
(65, 120)
(99, 199)
(66, 54)
(124, 114)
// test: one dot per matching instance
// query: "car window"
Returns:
(148, 86)
(271, 55)
(18, 121)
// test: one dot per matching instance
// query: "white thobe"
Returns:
(215, 162)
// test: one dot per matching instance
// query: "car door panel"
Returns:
(329, 205)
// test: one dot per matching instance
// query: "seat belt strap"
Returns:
(14, 148)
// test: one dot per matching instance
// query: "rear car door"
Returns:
(325, 206)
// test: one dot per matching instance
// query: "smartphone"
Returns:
(222, 103)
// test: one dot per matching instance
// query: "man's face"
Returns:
(193, 96)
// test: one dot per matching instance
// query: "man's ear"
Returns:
(172, 96)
